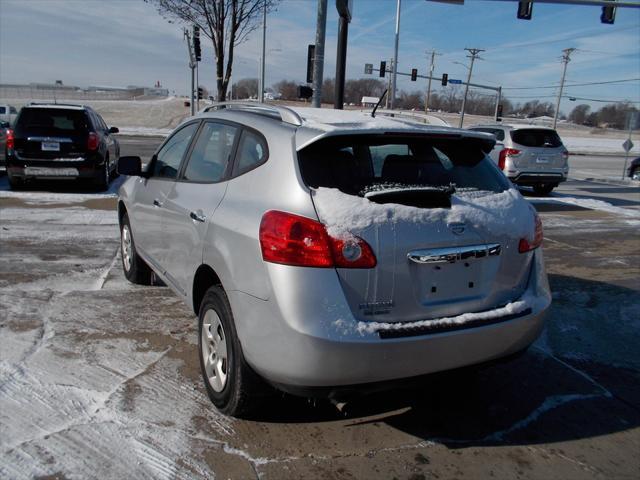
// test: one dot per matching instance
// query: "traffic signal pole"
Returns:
(192, 66)
(474, 54)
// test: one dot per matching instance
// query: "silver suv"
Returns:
(529, 155)
(327, 251)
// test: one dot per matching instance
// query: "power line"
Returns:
(574, 84)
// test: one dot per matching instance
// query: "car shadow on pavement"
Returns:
(62, 186)
(577, 381)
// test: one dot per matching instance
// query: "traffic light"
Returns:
(200, 93)
(525, 9)
(445, 79)
(196, 43)
(305, 92)
(608, 15)
(414, 74)
(368, 68)
(383, 68)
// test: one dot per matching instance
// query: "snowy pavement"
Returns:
(100, 378)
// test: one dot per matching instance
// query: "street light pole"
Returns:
(264, 42)
(474, 54)
(566, 58)
(426, 100)
(318, 61)
(395, 57)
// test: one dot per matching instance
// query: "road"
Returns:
(100, 378)
(597, 166)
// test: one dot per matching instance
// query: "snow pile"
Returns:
(504, 213)
(513, 308)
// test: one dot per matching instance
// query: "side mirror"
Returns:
(130, 165)
(114, 130)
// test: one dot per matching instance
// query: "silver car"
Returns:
(327, 252)
(529, 155)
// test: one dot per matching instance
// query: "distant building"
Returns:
(369, 101)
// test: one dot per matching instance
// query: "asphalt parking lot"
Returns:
(100, 378)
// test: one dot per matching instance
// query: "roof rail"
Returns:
(287, 115)
(60, 104)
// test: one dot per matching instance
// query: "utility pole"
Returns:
(428, 95)
(192, 66)
(395, 57)
(387, 103)
(498, 100)
(566, 58)
(318, 61)
(474, 54)
(264, 41)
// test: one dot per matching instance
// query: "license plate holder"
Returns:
(50, 146)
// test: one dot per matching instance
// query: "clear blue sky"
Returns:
(124, 42)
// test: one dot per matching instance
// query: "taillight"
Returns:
(565, 155)
(525, 245)
(11, 139)
(504, 153)
(294, 240)
(92, 141)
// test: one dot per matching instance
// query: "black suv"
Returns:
(54, 141)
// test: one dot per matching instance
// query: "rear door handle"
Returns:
(157, 203)
(198, 216)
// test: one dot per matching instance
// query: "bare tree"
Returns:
(287, 89)
(227, 23)
(246, 88)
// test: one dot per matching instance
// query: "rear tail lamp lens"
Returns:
(299, 241)
(11, 139)
(565, 155)
(525, 245)
(92, 141)
(504, 153)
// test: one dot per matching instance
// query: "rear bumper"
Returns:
(88, 166)
(535, 178)
(318, 346)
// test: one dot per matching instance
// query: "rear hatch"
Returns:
(51, 133)
(441, 219)
(541, 149)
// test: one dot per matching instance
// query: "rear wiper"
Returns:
(393, 188)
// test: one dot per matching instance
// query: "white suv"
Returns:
(529, 155)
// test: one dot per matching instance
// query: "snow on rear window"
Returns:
(504, 213)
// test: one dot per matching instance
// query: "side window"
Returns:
(3, 110)
(13, 110)
(101, 122)
(251, 152)
(211, 154)
(170, 155)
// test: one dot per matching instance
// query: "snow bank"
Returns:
(596, 144)
(504, 213)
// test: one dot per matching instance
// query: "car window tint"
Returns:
(170, 155)
(410, 161)
(211, 154)
(380, 152)
(51, 121)
(495, 131)
(251, 153)
(3, 110)
(536, 137)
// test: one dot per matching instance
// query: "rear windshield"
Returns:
(536, 137)
(360, 164)
(51, 121)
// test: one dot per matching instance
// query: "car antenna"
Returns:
(373, 113)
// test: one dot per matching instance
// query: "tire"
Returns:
(15, 183)
(135, 269)
(231, 384)
(635, 174)
(543, 188)
(104, 177)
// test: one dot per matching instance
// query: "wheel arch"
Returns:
(204, 279)
(122, 210)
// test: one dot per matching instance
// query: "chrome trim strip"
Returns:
(453, 254)
(57, 159)
(50, 139)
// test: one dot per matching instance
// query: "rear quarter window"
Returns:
(536, 137)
